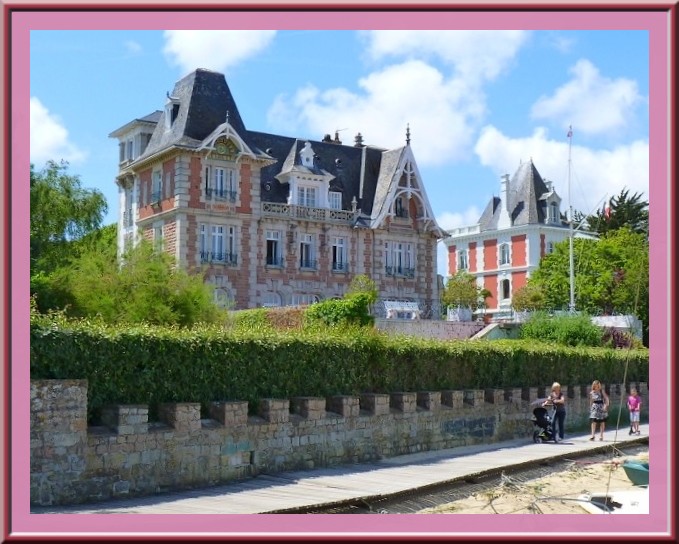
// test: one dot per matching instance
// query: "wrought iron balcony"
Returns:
(274, 261)
(308, 264)
(228, 259)
(399, 271)
(340, 267)
(401, 213)
(220, 194)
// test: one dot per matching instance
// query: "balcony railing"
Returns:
(155, 197)
(303, 212)
(220, 194)
(308, 264)
(229, 259)
(401, 213)
(399, 271)
(340, 267)
(274, 261)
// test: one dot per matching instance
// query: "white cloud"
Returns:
(213, 49)
(443, 106)
(132, 47)
(49, 138)
(441, 113)
(479, 54)
(595, 173)
(590, 102)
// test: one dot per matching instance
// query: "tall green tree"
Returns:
(611, 275)
(62, 210)
(461, 291)
(621, 211)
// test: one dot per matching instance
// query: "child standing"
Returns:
(634, 406)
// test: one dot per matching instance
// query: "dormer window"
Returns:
(553, 213)
(306, 196)
(171, 111)
(400, 208)
(335, 200)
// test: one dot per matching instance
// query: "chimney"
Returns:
(337, 140)
(504, 220)
(358, 142)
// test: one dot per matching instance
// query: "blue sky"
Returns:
(478, 102)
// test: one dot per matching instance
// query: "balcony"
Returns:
(308, 264)
(274, 261)
(399, 271)
(155, 198)
(220, 194)
(275, 209)
(228, 259)
(340, 267)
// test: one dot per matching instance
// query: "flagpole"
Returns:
(571, 306)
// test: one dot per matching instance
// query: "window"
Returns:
(339, 254)
(504, 289)
(218, 244)
(271, 300)
(157, 187)
(306, 251)
(130, 150)
(553, 213)
(224, 184)
(400, 209)
(273, 248)
(399, 259)
(504, 254)
(158, 237)
(462, 262)
(550, 247)
(335, 200)
(306, 196)
(303, 300)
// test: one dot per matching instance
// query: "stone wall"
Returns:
(131, 456)
(426, 328)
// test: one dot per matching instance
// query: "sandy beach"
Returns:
(554, 494)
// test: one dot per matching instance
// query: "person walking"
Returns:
(557, 400)
(598, 409)
(634, 406)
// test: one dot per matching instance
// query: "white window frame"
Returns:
(549, 248)
(129, 154)
(303, 299)
(339, 254)
(334, 200)
(552, 212)
(504, 254)
(307, 251)
(509, 289)
(277, 257)
(463, 259)
(156, 186)
(271, 300)
(158, 237)
(307, 196)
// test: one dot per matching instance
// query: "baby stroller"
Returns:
(543, 423)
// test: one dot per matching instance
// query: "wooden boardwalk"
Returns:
(368, 481)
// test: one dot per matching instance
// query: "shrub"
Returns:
(575, 330)
(354, 309)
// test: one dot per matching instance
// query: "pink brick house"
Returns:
(273, 220)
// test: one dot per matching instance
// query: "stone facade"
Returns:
(130, 456)
(440, 330)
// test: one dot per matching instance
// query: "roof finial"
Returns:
(408, 134)
(227, 117)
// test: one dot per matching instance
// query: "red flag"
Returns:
(607, 212)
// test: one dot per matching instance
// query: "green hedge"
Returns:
(150, 365)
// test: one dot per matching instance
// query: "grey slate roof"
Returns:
(526, 197)
(204, 99)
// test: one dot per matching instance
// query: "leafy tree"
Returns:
(621, 211)
(461, 291)
(362, 284)
(61, 211)
(529, 297)
(611, 275)
(146, 288)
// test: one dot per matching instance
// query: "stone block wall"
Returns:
(427, 328)
(130, 456)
